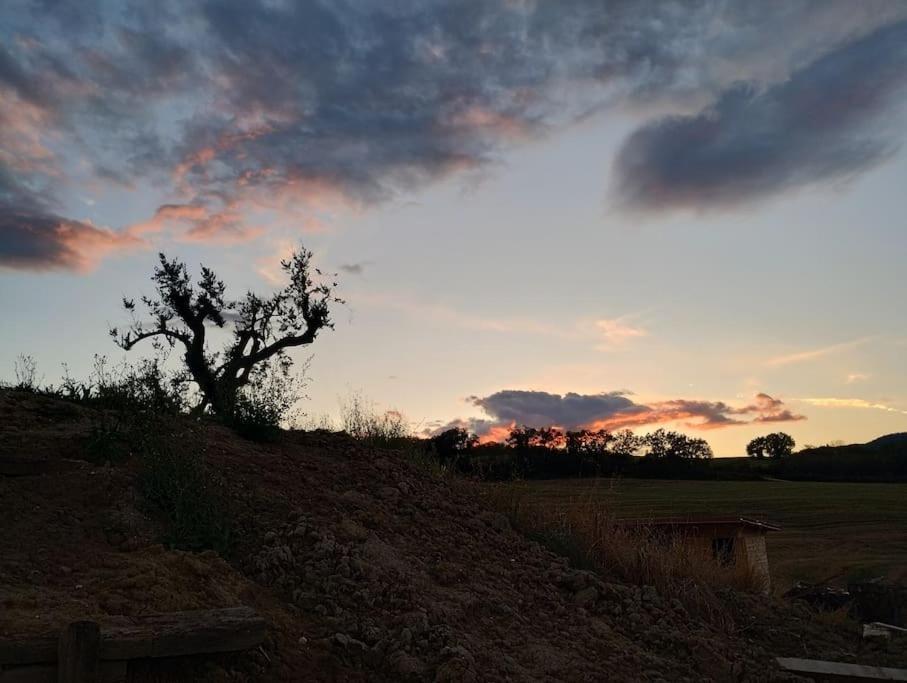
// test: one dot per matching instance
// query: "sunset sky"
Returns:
(582, 213)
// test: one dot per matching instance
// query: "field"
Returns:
(831, 531)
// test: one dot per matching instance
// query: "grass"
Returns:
(831, 531)
(590, 536)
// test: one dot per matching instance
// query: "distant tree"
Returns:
(263, 328)
(587, 443)
(667, 444)
(625, 443)
(452, 444)
(523, 437)
(776, 445)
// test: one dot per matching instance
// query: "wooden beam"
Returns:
(108, 672)
(21, 466)
(838, 671)
(171, 634)
(78, 653)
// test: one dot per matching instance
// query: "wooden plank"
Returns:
(78, 653)
(840, 671)
(109, 672)
(184, 633)
(20, 465)
(159, 635)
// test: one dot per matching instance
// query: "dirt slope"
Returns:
(366, 566)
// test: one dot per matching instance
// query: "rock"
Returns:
(406, 665)
(380, 554)
(389, 492)
(586, 597)
(352, 530)
(500, 522)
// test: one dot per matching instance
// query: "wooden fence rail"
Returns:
(88, 651)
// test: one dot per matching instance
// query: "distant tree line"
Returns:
(551, 453)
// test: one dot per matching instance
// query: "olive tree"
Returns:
(261, 328)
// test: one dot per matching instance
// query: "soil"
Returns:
(366, 565)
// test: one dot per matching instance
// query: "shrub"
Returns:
(266, 402)
(180, 486)
(382, 430)
(26, 370)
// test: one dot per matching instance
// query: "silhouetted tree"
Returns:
(625, 443)
(667, 444)
(453, 444)
(263, 327)
(776, 445)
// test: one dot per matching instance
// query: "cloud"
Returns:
(851, 403)
(826, 122)
(36, 241)
(854, 377)
(355, 268)
(615, 332)
(612, 411)
(812, 354)
(244, 106)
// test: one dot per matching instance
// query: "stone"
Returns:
(586, 597)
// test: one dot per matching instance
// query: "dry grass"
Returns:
(591, 537)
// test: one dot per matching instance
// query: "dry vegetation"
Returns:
(591, 535)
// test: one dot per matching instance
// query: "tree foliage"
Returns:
(776, 445)
(263, 328)
(663, 443)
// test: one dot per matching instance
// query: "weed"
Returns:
(180, 485)
(380, 430)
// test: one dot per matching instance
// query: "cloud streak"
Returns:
(851, 403)
(813, 354)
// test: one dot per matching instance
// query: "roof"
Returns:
(748, 522)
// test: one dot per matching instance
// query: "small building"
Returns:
(730, 541)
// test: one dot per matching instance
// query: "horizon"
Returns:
(688, 216)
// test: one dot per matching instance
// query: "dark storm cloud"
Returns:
(41, 241)
(612, 411)
(539, 408)
(824, 123)
(234, 103)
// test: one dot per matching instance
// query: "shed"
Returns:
(731, 541)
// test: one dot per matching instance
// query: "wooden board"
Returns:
(108, 672)
(21, 466)
(837, 671)
(158, 635)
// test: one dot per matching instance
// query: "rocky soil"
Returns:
(367, 567)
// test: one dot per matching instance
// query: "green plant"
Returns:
(180, 486)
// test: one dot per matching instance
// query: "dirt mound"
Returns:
(366, 567)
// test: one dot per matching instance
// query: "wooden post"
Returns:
(77, 653)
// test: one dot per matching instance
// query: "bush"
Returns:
(266, 403)
(380, 430)
(180, 486)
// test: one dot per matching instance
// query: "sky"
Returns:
(588, 214)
